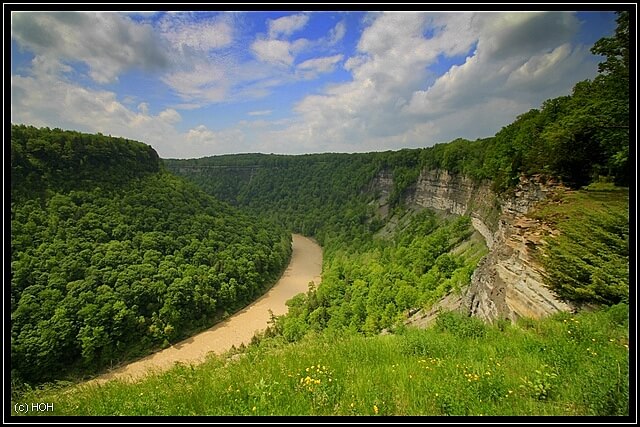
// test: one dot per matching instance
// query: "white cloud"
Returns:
(273, 51)
(320, 65)
(337, 33)
(260, 113)
(206, 82)
(276, 51)
(202, 141)
(170, 116)
(201, 134)
(508, 35)
(186, 31)
(109, 43)
(95, 111)
(45, 65)
(514, 62)
(201, 58)
(143, 107)
(87, 110)
(129, 100)
(287, 25)
(544, 72)
(390, 104)
(391, 63)
(540, 68)
(299, 45)
(213, 66)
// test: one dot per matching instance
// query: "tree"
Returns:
(616, 50)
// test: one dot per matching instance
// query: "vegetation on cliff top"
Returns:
(587, 261)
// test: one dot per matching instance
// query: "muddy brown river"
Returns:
(305, 266)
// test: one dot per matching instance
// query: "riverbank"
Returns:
(305, 267)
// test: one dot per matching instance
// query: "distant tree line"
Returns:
(45, 159)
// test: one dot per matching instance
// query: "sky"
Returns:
(195, 84)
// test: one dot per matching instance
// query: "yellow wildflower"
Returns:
(375, 409)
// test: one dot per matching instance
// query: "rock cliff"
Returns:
(458, 195)
(507, 283)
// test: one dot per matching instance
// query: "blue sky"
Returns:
(198, 84)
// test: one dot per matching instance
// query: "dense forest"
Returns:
(314, 194)
(111, 256)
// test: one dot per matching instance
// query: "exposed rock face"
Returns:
(382, 183)
(458, 195)
(507, 283)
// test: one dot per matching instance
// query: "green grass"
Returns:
(563, 365)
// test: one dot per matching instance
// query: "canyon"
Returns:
(508, 282)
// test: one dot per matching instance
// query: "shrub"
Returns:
(460, 325)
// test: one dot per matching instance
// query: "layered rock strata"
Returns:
(508, 283)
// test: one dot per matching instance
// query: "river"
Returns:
(305, 266)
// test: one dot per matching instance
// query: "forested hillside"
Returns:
(306, 193)
(44, 161)
(111, 256)
(370, 283)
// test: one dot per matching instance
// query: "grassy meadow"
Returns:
(563, 365)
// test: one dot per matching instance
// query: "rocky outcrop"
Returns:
(507, 284)
(458, 195)
(382, 186)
